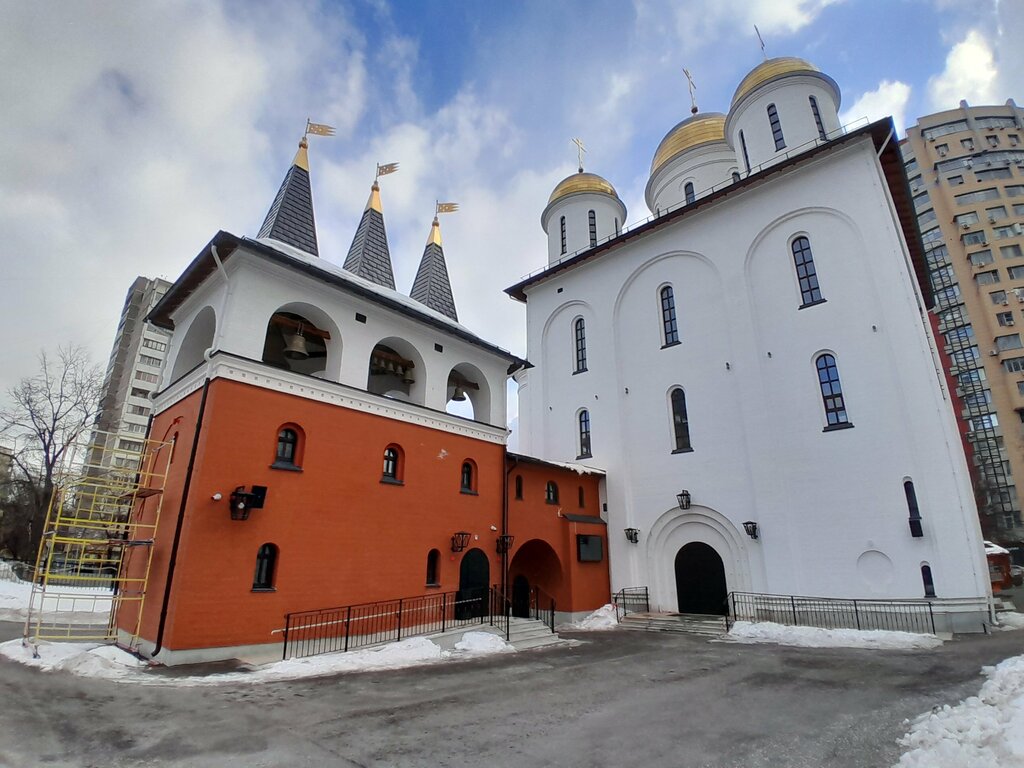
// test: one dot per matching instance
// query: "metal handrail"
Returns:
(830, 612)
(636, 598)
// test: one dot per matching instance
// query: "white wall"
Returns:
(705, 167)
(576, 208)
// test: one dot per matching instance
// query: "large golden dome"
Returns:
(582, 182)
(692, 132)
(770, 70)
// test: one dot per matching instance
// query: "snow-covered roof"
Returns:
(995, 549)
(579, 469)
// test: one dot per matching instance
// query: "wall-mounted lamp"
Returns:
(505, 543)
(632, 535)
(751, 528)
(459, 541)
(683, 497)
(242, 501)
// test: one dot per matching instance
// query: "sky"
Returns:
(130, 133)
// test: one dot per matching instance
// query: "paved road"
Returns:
(620, 699)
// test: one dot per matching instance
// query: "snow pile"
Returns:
(1010, 620)
(983, 730)
(480, 643)
(813, 637)
(602, 618)
(75, 604)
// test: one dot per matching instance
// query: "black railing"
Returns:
(631, 600)
(832, 613)
(542, 607)
(327, 630)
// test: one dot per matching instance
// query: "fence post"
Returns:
(287, 620)
(444, 609)
(399, 618)
(931, 617)
(856, 613)
(348, 620)
(552, 615)
(792, 602)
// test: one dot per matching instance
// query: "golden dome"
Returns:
(582, 182)
(769, 70)
(692, 132)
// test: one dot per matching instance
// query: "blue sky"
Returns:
(132, 132)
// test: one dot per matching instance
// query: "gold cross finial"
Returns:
(580, 149)
(693, 88)
(761, 41)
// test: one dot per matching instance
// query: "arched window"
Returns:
(582, 504)
(773, 119)
(915, 513)
(680, 421)
(926, 578)
(592, 219)
(584, 425)
(803, 260)
(519, 487)
(743, 146)
(562, 226)
(579, 329)
(392, 465)
(735, 176)
(831, 392)
(669, 326)
(551, 492)
(817, 117)
(266, 560)
(433, 571)
(287, 455)
(468, 480)
(688, 191)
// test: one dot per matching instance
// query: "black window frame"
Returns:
(392, 466)
(743, 146)
(817, 118)
(669, 321)
(806, 273)
(286, 453)
(592, 222)
(433, 568)
(562, 227)
(688, 192)
(551, 492)
(832, 398)
(776, 126)
(467, 478)
(579, 331)
(519, 487)
(680, 421)
(913, 509)
(266, 568)
(928, 579)
(583, 424)
(589, 548)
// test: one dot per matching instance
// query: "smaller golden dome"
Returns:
(692, 132)
(582, 182)
(770, 70)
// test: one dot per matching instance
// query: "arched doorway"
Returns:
(521, 597)
(700, 580)
(474, 579)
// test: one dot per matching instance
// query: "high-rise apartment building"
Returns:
(966, 172)
(136, 362)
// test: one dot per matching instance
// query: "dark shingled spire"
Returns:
(369, 256)
(431, 287)
(290, 219)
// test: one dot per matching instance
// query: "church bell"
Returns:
(295, 347)
(459, 395)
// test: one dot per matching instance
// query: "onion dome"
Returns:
(774, 69)
(706, 128)
(582, 181)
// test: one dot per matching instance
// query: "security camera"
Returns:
(217, 497)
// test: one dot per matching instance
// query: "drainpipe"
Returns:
(173, 560)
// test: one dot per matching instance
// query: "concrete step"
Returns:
(688, 623)
(524, 634)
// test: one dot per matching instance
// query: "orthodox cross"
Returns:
(693, 88)
(580, 149)
(761, 41)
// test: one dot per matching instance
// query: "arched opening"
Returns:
(474, 579)
(535, 565)
(303, 339)
(396, 370)
(198, 339)
(433, 568)
(468, 395)
(266, 564)
(700, 580)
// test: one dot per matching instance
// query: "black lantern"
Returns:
(632, 535)
(505, 543)
(459, 541)
(751, 528)
(242, 501)
(683, 497)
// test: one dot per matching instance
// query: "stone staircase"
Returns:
(524, 634)
(688, 623)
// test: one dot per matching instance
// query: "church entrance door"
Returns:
(521, 597)
(700, 580)
(474, 578)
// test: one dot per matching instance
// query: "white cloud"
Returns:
(970, 74)
(889, 98)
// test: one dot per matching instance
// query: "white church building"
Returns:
(754, 367)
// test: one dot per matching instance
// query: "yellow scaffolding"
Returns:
(97, 546)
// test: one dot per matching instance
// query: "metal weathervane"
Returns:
(580, 149)
(445, 207)
(385, 169)
(317, 129)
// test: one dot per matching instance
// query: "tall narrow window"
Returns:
(915, 513)
(926, 578)
(562, 226)
(680, 421)
(668, 316)
(519, 486)
(832, 393)
(803, 260)
(817, 117)
(468, 478)
(688, 191)
(433, 559)
(580, 335)
(584, 424)
(743, 146)
(391, 465)
(287, 448)
(266, 560)
(551, 492)
(582, 498)
(735, 176)
(592, 220)
(773, 119)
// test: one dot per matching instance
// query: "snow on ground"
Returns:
(112, 663)
(602, 618)
(75, 604)
(983, 730)
(1010, 620)
(813, 637)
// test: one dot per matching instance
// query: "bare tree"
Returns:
(49, 412)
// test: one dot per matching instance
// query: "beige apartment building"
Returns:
(966, 172)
